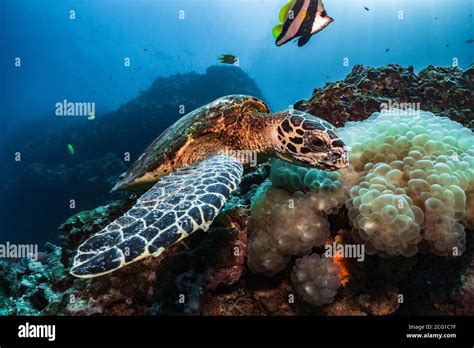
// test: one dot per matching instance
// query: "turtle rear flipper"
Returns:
(176, 206)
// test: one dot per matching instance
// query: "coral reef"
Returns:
(464, 295)
(325, 190)
(289, 219)
(203, 264)
(424, 162)
(416, 170)
(444, 91)
(316, 279)
(28, 287)
(283, 225)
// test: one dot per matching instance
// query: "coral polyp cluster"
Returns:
(384, 216)
(316, 279)
(289, 214)
(409, 188)
(325, 190)
(416, 183)
(284, 224)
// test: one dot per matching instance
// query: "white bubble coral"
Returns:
(316, 279)
(325, 190)
(416, 182)
(283, 224)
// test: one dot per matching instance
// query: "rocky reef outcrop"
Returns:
(445, 91)
(209, 273)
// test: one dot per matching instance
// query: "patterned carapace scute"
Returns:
(179, 204)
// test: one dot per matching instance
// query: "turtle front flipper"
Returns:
(179, 204)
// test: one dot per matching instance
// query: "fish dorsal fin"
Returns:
(322, 20)
(321, 8)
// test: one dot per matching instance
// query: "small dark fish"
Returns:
(145, 49)
(327, 77)
(110, 78)
(469, 41)
(227, 58)
(436, 18)
(447, 45)
(366, 8)
(387, 50)
(93, 92)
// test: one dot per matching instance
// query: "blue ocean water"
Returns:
(82, 58)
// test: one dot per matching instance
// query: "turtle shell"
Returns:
(158, 158)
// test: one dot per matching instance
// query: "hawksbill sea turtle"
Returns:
(191, 169)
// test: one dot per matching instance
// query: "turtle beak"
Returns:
(336, 159)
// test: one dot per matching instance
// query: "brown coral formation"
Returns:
(444, 91)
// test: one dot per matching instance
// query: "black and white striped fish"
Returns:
(304, 19)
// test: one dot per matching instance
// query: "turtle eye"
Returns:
(317, 143)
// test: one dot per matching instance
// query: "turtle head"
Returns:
(303, 139)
